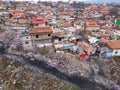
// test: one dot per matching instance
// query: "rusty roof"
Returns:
(113, 44)
(87, 47)
(41, 30)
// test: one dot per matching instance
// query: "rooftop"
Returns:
(113, 44)
(41, 30)
(86, 47)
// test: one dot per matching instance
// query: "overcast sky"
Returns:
(93, 1)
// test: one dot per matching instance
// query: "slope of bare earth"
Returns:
(14, 75)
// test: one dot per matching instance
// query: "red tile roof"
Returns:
(67, 25)
(91, 23)
(113, 44)
(105, 9)
(10, 20)
(64, 14)
(41, 30)
(18, 13)
(1, 2)
(36, 17)
(118, 18)
(38, 20)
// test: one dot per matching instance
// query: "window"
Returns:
(46, 23)
(37, 36)
(49, 35)
(116, 52)
(60, 39)
(26, 42)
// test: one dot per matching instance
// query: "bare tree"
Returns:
(114, 11)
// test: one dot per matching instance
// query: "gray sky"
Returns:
(92, 1)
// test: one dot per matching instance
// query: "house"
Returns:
(26, 41)
(10, 22)
(114, 45)
(19, 28)
(94, 7)
(38, 21)
(106, 34)
(41, 36)
(78, 21)
(20, 6)
(85, 50)
(105, 10)
(64, 15)
(47, 10)
(102, 50)
(3, 5)
(87, 9)
(17, 13)
(115, 34)
(30, 11)
(68, 28)
(17, 24)
(92, 25)
(5, 14)
(88, 49)
(22, 20)
(59, 38)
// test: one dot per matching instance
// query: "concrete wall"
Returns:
(27, 43)
(20, 8)
(40, 37)
(40, 25)
(92, 28)
(116, 52)
(22, 21)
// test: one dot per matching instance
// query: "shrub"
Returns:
(43, 51)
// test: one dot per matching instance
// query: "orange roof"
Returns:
(118, 18)
(10, 20)
(67, 25)
(104, 40)
(37, 17)
(38, 20)
(1, 2)
(105, 9)
(20, 5)
(18, 13)
(87, 8)
(91, 23)
(113, 44)
(41, 30)
(46, 8)
(64, 14)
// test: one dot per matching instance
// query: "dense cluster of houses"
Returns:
(87, 32)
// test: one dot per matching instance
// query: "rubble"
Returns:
(27, 77)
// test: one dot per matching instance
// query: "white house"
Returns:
(26, 41)
(114, 45)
